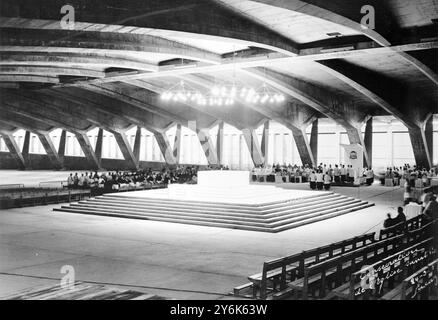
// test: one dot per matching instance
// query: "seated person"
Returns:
(400, 217)
(389, 222)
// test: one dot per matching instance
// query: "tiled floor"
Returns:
(171, 260)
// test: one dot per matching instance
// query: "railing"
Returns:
(56, 184)
(39, 196)
(11, 186)
(48, 192)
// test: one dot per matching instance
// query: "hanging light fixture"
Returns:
(222, 94)
(183, 93)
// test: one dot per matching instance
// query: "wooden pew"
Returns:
(409, 238)
(417, 286)
(392, 231)
(335, 271)
(369, 282)
(414, 223)
(401, 227)
(278, 272)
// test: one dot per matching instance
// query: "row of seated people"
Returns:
(316, 175)
(116, 179)
(413, 175)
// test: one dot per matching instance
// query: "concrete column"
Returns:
(61, 146)
(265, 142)
(50, 149)
(137, 143)
(13, 148)
(99, 143)
(421, 140)
(177, 144)
(164, 145)
(253, 146)
(338, 144)
(125, 148)
(391, 145)
(220, 142)
(303, 146)
(208, 146)
(314, 141)
(428, 131)
(87, 148)
(25, 150)
(368, 140)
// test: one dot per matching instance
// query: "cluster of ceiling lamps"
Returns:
(222, 95)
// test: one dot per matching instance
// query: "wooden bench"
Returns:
(401, 227)
(392, 231)
(333, 272)
(414, 223)
(426, 231)
(407, 239)
(369, 282)
(278, 272)
(416, 286)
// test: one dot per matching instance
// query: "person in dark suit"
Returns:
(400, 217)
(389, 222)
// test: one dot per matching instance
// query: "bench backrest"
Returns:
(392, 231)
(414, 223)
(280, 265)
(347, 263)
(317, 254)
(372, 278)
(409, 225)
(333, 250)
(415, 285)
(426, 231)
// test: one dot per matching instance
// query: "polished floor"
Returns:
(171, 260)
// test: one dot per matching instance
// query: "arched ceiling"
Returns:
(110, 69)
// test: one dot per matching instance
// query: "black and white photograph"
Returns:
(219, 158)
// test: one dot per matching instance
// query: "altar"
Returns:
(226, 186)
(221, 178)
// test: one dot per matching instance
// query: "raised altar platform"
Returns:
(226, 187)
(223, 199)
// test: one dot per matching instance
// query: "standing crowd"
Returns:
(319, 177)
